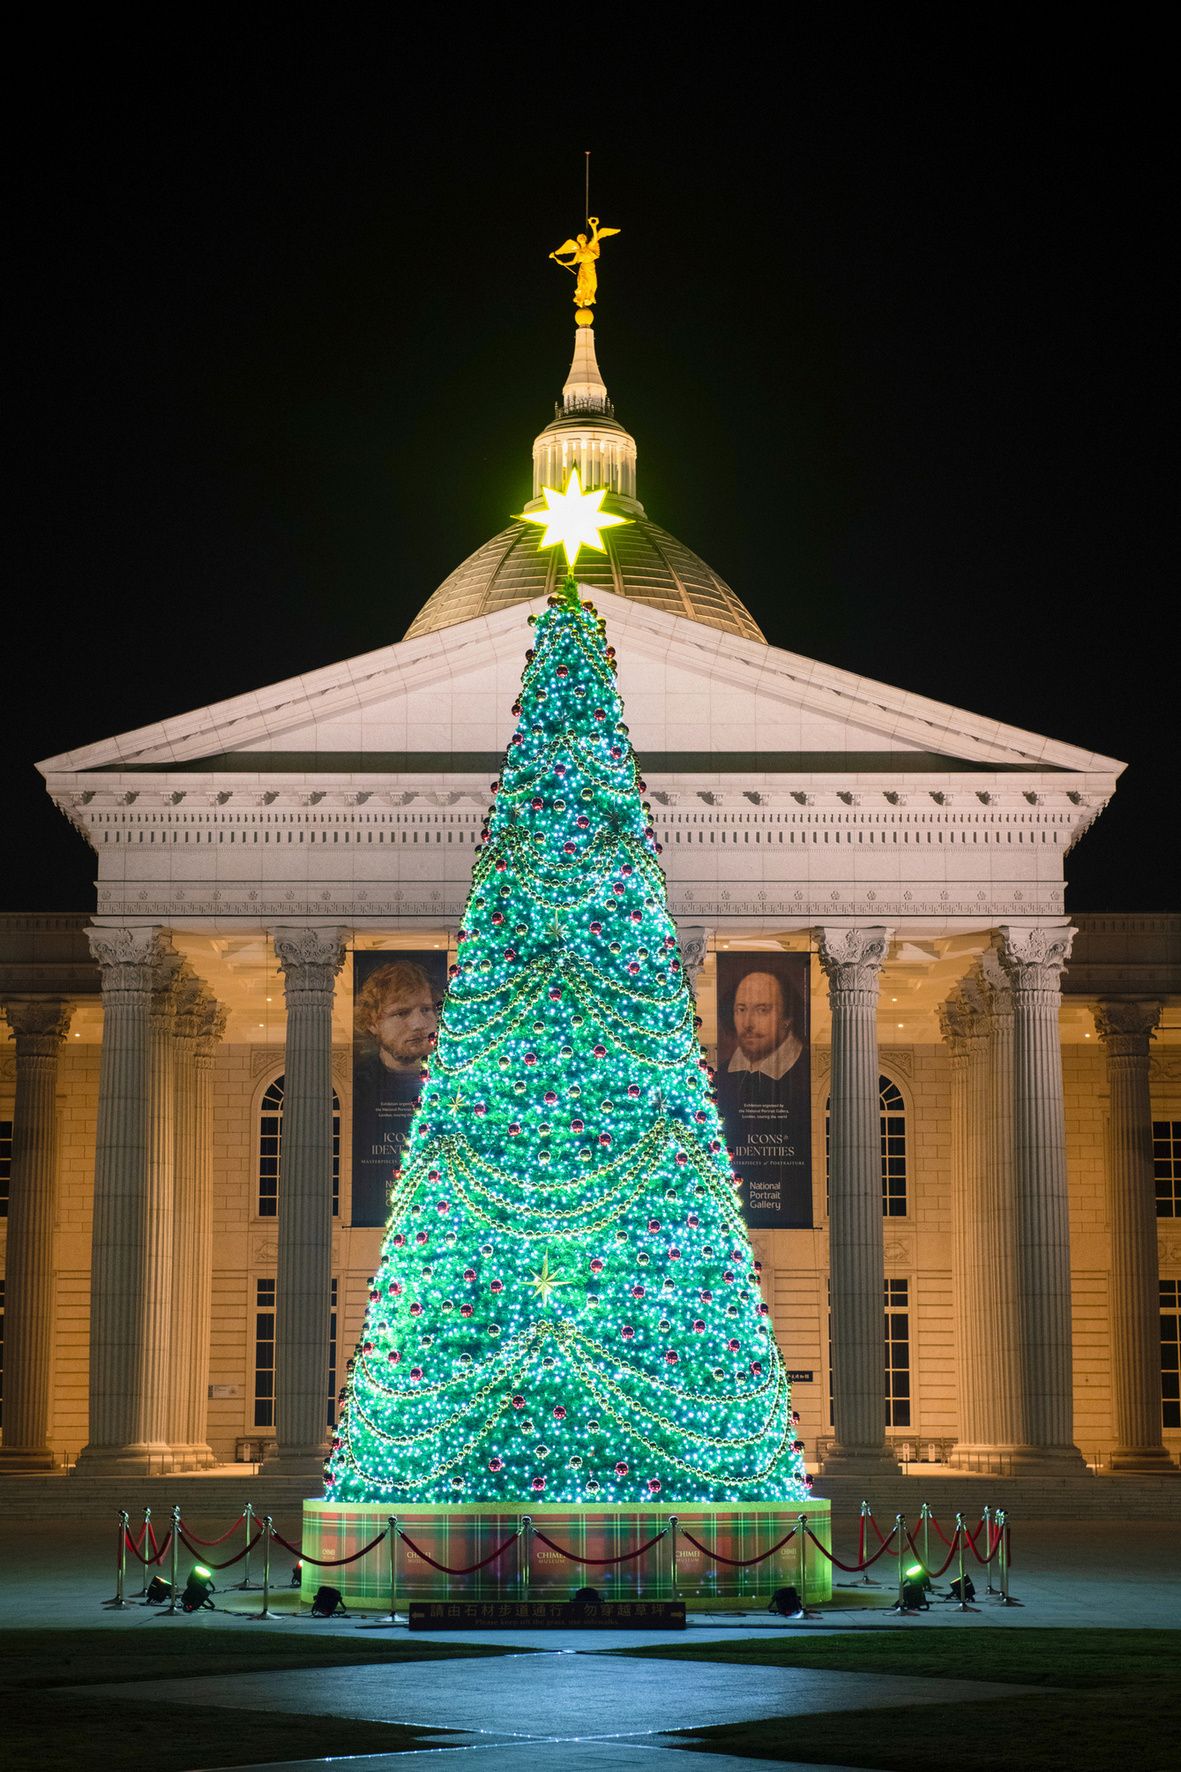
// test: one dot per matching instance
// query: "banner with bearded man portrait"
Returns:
(396, 1000)
(764, 1083)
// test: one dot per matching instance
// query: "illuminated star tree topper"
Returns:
(573, 518)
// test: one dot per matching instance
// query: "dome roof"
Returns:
(642, 560)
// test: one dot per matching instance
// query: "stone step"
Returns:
(214, 1499)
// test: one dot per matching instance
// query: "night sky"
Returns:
(886, 319)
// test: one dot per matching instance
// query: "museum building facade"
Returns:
(987, 1273)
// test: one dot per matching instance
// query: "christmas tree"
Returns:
(567, 1308)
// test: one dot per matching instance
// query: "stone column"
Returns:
(853, 959)
(1033, 960)
(131, 1238)
(40, 1026)
(1125, 1030)
(965, 1034)
(310, 959)
(999, 1219)
(199, 1023)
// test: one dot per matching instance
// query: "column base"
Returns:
(18, 1459)
(999, 1460)
(295, 1461)
(192, 1458)
(1148, 1460)
(124, 1461)
(860, 1461)
(1046, 1461)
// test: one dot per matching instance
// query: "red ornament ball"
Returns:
(518, 1401)
(496, 1464)
(600, 713)
(693, 1221)
(420, 1237)
(399, 1239)
(530, 1058)
(756, 1367)
(732, 1346)
(654, 1485)
(550, 1097)
(393, 1356)
(514, 1129)
(681, 1157)
(415, 1374)
(560, 1412)
(633, 967)
(698, 1324)
(577, 1125)
(633, 1090)
(567, 849)
(416, 1310)
(637, 1292)
(496, 1286)
(500, 864)
(707, 1298)
(654, 1224)
(395, 1288)
(596, 929)
(674, 1255)
(621, 1469)
(628, 1332)
(600, 1051)
(481, 1108)
(604, 1138)
(537, 1483)
(465, 1310)
(583, 822)
(443, 1206)
(563, 670)
(469, 1273)
(671, 1357)
(596, 1265)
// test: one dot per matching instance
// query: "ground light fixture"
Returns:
(199, 1590)
(914, 1586)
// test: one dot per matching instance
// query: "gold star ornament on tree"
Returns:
(543, 1282)
(573, 518)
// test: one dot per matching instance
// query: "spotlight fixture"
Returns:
(328, 1602)
(915, 1582)
(199, 1590)
(159, 1590)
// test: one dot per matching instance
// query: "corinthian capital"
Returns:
(310, 958)
(211, 1023)
(39, 1023)
(962, 1020)
(1034, 959)
(853, 958)
(128, 956)
(692, 941)
(1126, 1028)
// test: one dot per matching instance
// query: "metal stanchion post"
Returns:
(802, 1560)
(900, 1528)
(959, 1544)
(175, 1556)
(119, 1603)
(673, 1583)
(392, 1529)
(925, 1517)
(1002, 1518)
(248, 1516)
(986, 1519)
(523, 1555)
(266, 1571)
(144, 1546)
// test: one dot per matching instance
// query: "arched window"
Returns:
(270, 1139)
(893, 1133)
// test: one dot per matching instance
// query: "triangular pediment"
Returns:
(698, 702)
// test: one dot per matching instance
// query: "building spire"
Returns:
(585, 390)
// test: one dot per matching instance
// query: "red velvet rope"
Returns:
(878, 1529)
(229, 1563)
(743, 1562)
(136, 1542)
(943, 1535)
(935, 1573)
(157, 1551)
(329, 1562)
(852, 1568)
(995, 1542)
(212, 1541)
(606, 1562)
(472, 1567)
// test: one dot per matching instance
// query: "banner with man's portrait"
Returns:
(396, 1002)
(764, 1083)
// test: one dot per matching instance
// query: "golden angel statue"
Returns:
(582, 253)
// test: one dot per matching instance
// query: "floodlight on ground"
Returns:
(199, 1590)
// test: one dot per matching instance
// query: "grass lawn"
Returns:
(58, 1731)
(1117, 1701)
